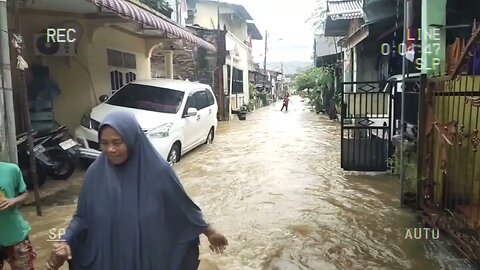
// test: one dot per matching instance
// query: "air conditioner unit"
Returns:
(44, 48)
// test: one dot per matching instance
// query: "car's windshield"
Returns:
(148, 98)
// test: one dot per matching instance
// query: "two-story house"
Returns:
(240, 31)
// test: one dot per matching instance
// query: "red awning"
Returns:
(146, 17)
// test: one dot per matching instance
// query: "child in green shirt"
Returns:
(15, 247)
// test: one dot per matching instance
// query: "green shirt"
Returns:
(14, 229)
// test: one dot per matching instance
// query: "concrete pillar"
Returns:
(354, 67)
(8, 141)
(230, 94)
(168, 64)
(433, 38)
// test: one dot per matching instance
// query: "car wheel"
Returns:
(210, 136)
(174, 155)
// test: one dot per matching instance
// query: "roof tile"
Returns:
(345, 9)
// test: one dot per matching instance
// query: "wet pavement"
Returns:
(273, 185)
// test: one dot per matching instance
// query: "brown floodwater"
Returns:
(273, 185)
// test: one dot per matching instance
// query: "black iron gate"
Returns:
(366, 125)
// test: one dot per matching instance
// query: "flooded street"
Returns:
(273, 185)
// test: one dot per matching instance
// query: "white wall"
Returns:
(239, 28)
(78, 76)
(183, 15)
(240, 63)
(206, 16)
(347, 68)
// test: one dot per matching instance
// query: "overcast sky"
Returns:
(283, 19)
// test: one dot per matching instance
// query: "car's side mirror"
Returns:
(103, 98)
(192, 112)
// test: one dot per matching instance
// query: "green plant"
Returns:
(252, 90)
(320, 85)
(410, 169)
(159, 5)
(318, 16)
(263, 98)
(251, 105)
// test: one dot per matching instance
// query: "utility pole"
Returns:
(6, 84)
(265, 62)
(282, 90)
(19, 47)
(402, 110)
(4, 53)
(219, 88)
(218, 16)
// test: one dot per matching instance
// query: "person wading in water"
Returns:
(133, 213)
(286, 100)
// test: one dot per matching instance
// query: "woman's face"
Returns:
(113, 145)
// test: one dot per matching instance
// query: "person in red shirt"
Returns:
(286, 100)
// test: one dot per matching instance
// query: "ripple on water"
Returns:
(273, 184)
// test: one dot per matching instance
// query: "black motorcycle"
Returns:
(55, 155)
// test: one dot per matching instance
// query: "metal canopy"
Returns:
(151, 19)
(345, 9)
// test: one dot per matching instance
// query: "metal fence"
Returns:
(448, 151)
(366, 126)
(450, 170)
(371, 113)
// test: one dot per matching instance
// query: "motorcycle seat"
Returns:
(24, 134)
(45, 133)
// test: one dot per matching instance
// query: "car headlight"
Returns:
(161, 131)
(85, 122)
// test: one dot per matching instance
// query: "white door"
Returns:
(191, 127)
(201, 100)
(212, 109)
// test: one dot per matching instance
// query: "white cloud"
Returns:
(284, 20)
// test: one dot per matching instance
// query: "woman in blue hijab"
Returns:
(132, 211)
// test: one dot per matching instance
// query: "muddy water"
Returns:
(274, 186)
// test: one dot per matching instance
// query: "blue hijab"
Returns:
(134, 216)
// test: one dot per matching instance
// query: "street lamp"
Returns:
(265, 60)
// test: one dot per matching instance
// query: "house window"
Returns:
(211, 98)
(237, 86)
(201, 100)
(116, 80)
(130, 77)
(122, 69)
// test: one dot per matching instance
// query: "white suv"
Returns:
(177, 116)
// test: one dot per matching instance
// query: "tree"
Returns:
(161, 6)
(319, 82)
(319, 16)
(314, 78)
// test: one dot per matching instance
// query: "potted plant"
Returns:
(161, 6)
(242, 114)
(409, 194)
